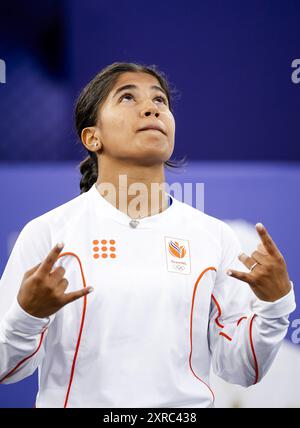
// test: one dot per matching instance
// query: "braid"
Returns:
(89, 171)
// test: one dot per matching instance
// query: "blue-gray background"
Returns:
(237, 116)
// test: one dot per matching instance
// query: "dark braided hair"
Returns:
(93, 95)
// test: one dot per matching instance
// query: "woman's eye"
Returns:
(125, 95)
(162, 99)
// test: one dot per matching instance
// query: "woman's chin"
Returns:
(151, 159)
(155, 147)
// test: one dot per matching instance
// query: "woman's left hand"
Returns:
(268, 276)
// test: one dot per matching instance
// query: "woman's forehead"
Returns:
(135, 78)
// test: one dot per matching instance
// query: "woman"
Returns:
(168, 297)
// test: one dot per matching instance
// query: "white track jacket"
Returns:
(163, 310)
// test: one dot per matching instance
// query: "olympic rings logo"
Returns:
(180, 267)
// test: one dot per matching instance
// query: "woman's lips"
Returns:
(152, 129)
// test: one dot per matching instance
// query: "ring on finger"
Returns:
(253, 266)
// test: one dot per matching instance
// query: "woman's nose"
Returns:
(150, 109)
(149, 112)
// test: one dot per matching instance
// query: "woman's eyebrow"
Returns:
(122, 88)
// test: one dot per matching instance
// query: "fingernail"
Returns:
(229, 272)
(259, 226)
(91, 289)
(60, 245)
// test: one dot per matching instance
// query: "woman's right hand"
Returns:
(42, 292)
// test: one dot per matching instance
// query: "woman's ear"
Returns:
(90, 138)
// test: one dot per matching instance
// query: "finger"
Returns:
(246, 260)
(63, 284)
(262, 248)
(266, 239)
(58, 273)
(259, 257)
(75, 295)
(47, 264)
(242, 276)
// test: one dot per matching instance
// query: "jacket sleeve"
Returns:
(22, 336)
(245, 333)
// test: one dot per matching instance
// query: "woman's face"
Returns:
(126, 111)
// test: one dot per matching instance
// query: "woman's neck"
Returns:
(136, 190)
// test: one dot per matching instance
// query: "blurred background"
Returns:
(236, 67)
